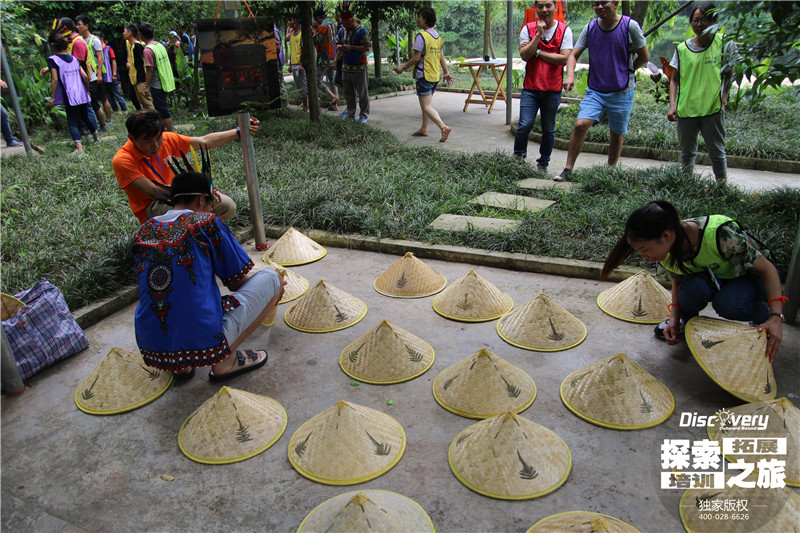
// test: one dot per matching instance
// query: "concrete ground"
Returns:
(476, 130)
(64, 470)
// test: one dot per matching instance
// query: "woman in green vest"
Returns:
(698, 91)
(709, 259)
(428, 62)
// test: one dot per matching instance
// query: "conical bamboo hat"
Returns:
(347, 444)
(581, 522)
(233, 425)
(782, 421)
(541, 325)
(121, 382)
(732, 354)
(640, 299)
(409, 278)
(325, 308)
(386, 354)
(294, 248)
(472, 298)
(270, 318)
(368, 510)
(10, 306)
(510, 457)
(483, 385)
(617, 393)
(296, 285)
(768, 510)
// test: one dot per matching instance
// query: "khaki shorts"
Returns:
(144, 99)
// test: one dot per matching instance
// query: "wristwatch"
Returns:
(779, 315)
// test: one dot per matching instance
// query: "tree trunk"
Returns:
(639, 12)
(309, 61)
(487, 26)
(375, 22)
(410, 41)
(626, 8)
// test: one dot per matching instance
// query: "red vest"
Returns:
(539, 74)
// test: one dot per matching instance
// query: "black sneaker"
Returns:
(541, 167)
(563, 176)
(659, 329)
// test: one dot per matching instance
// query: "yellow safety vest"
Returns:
(431, 59)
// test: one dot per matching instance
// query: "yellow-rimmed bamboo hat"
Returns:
(325, 308)
(782, 420)
(120, 382)
(231, 426)
(10, 306)
(472, 298)
(296, 285)
(483, 385)
(732, 354)
(386, 354)
(510, 458)
(294, 248)
(368, 510)
(541, 325)
(617, 393)
(347, 444)
(409, 277)
(640, 299)
(581, 522)
(767, 510)
(270, 318)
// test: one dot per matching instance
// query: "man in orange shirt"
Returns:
(142, 169)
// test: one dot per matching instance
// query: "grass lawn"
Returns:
(65, 218)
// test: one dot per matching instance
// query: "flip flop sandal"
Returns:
(183, 377)
(445, 134)
(246, 361)
(420, 133)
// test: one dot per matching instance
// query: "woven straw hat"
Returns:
(296, 285)
(581, 522)
(325, 308)
(472, 298)
(10, 306)
(541, 325)
(231, 426)
(768, 510)
(347, 444)
(386, 354)
(640, 299)
(782, 420)
(270, 318)
(368, 510)
(409, 278)
(510, 458)
(120, 383)
(483, 385)
(732, 354)
(294, 248)
(617, 393)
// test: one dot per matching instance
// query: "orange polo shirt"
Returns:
(130, 164)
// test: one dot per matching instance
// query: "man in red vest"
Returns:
(544, 45)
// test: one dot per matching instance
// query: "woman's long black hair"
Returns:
(649, 222)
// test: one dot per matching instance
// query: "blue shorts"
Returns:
(616, 105)
(253, 297)
(160, 102)
(425, 87)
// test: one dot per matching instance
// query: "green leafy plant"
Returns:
(392, 46)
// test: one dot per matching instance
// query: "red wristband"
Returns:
(781, 299)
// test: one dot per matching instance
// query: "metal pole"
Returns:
(510, 63)
(251, 177)
(15, 101)
(12, 381)
(396, 40)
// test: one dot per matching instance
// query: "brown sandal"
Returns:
(445, 133)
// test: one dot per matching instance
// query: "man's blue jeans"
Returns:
(530, 103)
(7, 135)
(737, 299)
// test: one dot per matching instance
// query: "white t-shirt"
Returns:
(95, 47)
(566, 42)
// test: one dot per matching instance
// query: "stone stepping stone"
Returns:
(511, 201)
(535, 183)
(464, 223)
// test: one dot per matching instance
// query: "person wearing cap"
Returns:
(295, 36)
(617, 48)
(354, 43)
(709, 259)
(698, 91)
(181, 320)
(544, 45)
(324, 37)
(428, 61)
(142, 169)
